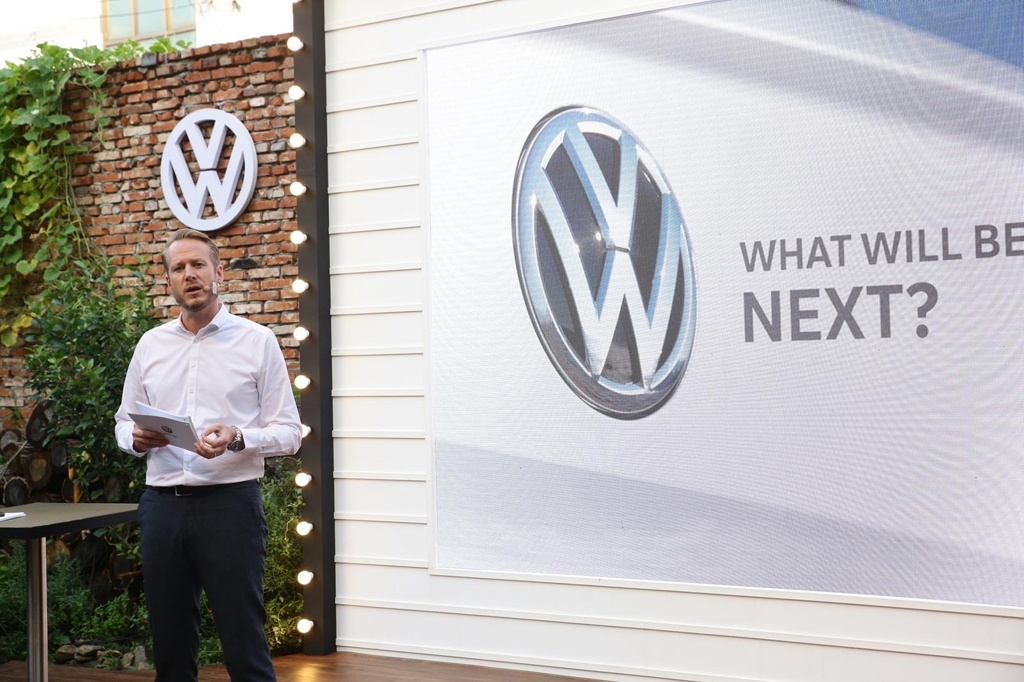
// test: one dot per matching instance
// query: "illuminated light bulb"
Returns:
(295, 44)
(302, 479)
(298, 236)
(303, 528)
(299, 285)
(296, 140)
(301, 381)
(300, 333)
(306, 430)
(297, 188)
(295, 92)
(304, 625)
(305, 577)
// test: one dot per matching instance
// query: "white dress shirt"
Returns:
(231, 372)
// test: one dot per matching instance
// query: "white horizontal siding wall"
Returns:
(390, 602)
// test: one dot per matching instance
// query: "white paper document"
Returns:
(179, 430)
(7, 516)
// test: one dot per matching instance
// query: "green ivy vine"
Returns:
(41, 228)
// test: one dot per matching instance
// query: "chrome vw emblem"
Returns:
(228, 198)
(604, 262)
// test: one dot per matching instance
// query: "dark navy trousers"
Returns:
(215, 541)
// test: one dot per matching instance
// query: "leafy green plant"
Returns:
(40, 225)
(282, 504)
(160, 45)
(211, 652)
(123, 618)
(68, 599)
(13, 598)
(81, 339)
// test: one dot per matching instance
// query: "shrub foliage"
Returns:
(81, 339)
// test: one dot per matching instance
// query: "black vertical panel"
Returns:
(315, 315)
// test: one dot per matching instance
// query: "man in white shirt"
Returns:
(201, 516)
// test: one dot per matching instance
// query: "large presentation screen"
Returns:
(733, 294)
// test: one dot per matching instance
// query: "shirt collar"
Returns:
(222, 318)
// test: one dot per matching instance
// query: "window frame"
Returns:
(170, 29)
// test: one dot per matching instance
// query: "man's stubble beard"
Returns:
(198, 305)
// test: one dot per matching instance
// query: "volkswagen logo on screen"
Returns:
(228, 183)
(604, 262)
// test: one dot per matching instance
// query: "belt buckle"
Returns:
(181, 491)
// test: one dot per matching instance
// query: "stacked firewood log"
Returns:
(30, 472)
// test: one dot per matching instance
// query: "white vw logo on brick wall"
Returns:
(228, 198)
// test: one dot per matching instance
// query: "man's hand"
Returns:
(215, 440)
(144, 441)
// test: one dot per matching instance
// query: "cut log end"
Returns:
(16, 492)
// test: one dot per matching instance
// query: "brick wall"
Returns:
(117, 183)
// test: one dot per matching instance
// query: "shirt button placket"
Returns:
(192, 377)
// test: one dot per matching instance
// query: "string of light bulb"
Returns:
(297, 189)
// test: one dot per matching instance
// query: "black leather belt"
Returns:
(194, 490)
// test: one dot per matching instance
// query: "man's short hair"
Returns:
(186, 233)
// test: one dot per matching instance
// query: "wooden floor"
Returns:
(339, 667)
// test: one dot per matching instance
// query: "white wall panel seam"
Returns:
(346, 433)
(691, 629)
(954, 608)
(373, 144)
(418, 11)
(370, 186)
(383, 267)
(371, 61)
(372, 103)
(378, 392)
(377, 309)
(374, 227)
(379, 476)
(603, 584)
(381, 350)
(379, 561)
(533, 663)
(381, 518)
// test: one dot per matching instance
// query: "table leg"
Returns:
(37, 638)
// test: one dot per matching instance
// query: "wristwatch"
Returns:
(238, 443)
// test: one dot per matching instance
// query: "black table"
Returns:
(39, 521)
